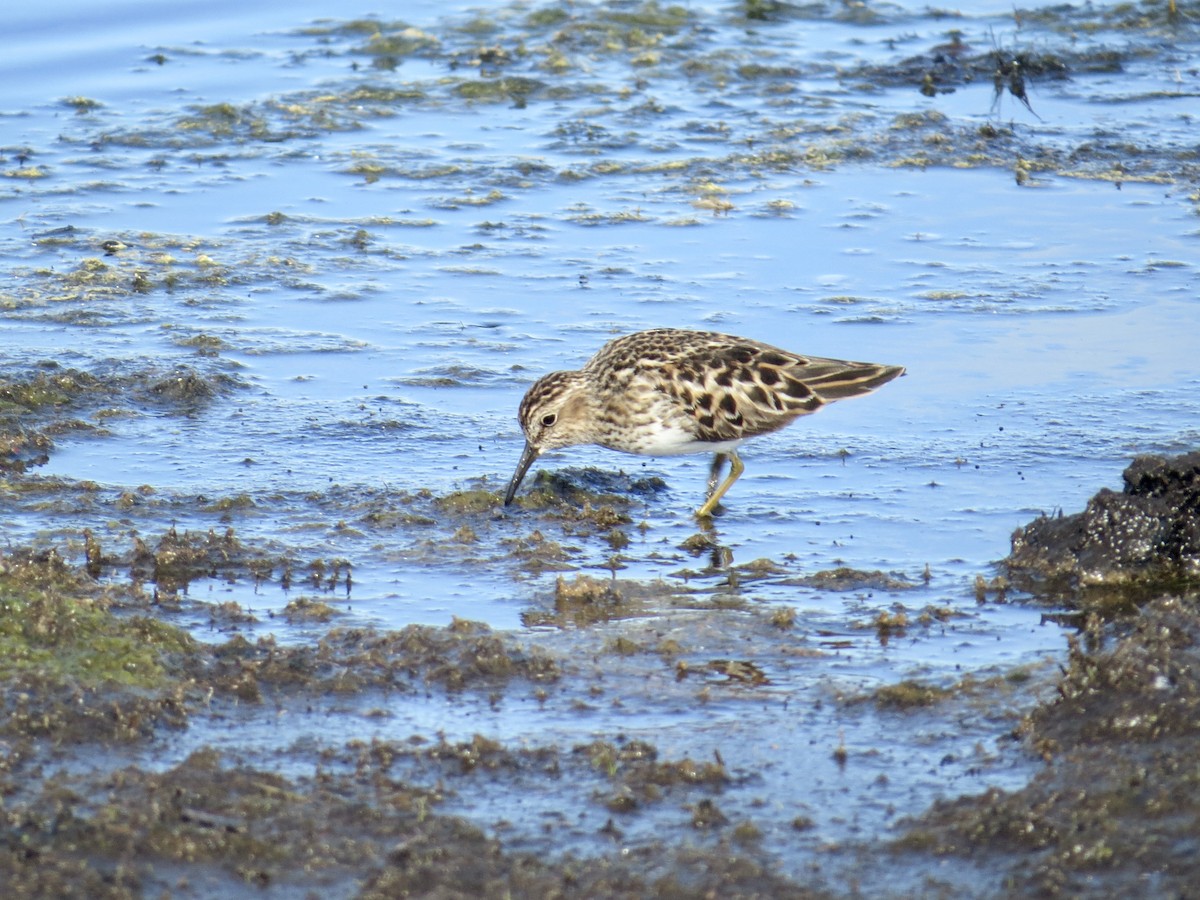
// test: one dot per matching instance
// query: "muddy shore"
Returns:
(96, 669)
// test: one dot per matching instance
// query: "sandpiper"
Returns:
(669, 391)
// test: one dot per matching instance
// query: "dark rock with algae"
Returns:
(1146, 535)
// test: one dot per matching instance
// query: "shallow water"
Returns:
(384, 278)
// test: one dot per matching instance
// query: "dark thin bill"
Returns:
(527, 459)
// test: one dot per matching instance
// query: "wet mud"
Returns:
(204, 691)
(1111, 811)
(204, 828)
(52, 401)
(83, 674)
(86, 669)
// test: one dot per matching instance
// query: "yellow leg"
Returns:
(736, 468)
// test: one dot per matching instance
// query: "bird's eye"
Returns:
(549, 419)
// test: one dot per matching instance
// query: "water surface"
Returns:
(373, 251)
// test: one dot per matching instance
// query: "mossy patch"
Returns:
(585, 600)
(909, 694)
(67, 640)
(847, 579)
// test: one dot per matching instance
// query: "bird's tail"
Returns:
(836, 379)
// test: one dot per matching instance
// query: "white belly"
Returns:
(666, 440)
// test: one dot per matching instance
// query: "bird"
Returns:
(671, 391)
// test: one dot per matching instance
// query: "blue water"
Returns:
(1048, 331)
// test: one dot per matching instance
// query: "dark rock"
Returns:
(1147, 535)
